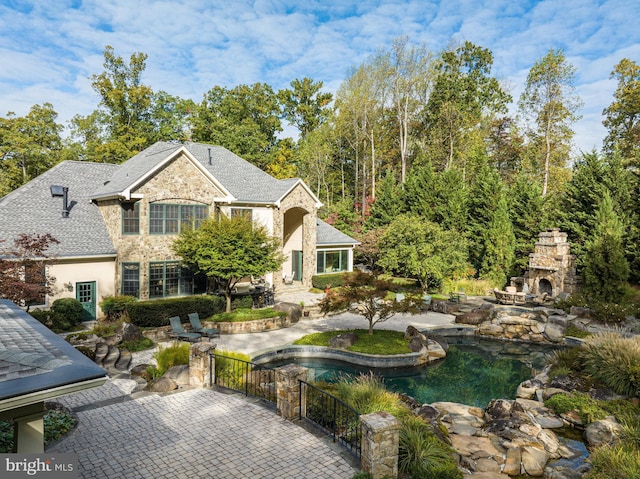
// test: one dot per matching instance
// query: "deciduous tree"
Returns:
(24, 278)
(228, 249)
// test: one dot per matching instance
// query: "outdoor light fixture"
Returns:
(61, 191)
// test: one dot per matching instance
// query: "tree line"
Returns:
(416, 145)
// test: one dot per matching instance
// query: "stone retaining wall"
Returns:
(255, 326)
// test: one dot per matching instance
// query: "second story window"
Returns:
(131, 218)
(171, 219)
(242, 212)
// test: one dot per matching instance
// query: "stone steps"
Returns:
(112, 358)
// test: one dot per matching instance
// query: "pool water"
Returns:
(475, 371)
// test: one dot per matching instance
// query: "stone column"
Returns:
(288, 390)
(201, 364)
(28, 429)
(380, 442)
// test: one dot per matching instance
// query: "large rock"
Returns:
(527, 389)
(427, 412)
(412, 332)
(561, 472)
(343, 341)
(140, 371)
(604, 432)
(498, 409)
(180, 374)
(581, 312)
(162, 385)
(474, 317)
(534, 460)
(294, 311)
(129, 332)
(554, 332)
(417, 345)
(512, 463)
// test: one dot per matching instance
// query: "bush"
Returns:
(614, 462)
(69, 309)
(614, 361)
(156, 313)
(169, 357)
(134, 346)
(56, 424)
(367, 393)
(472, 287)
(115, 307)
(247, 315)
(53, 321)
(588, 409)
(334, 280)
(228, 371)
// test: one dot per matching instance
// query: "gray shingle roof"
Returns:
(32, 209)
(330, 236)
(246, 182)
(32, 358)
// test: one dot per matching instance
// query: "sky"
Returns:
(50, 48)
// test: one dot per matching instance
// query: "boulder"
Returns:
(565, 383)
(581, 312)
(554, 332)
(527, 389)
(294, 311)
(180, 374)
(512, 462)
(417, 345)
(474, 317)
(561, 472)
(162, 385)
(129, 332)
(435, 350)
(140, 371)
(498, 409)
(342, 341)
(427, 412)
(412, 332)
(534, 460)
(603, 432)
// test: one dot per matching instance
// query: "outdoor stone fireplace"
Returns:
(552, 267)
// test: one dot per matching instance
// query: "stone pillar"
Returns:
(288, 390)
(28, 430)
(380, 442)
(201, 364)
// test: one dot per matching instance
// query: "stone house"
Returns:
(116, 223)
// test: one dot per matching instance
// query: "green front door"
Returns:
(296, 265)
(86, 294)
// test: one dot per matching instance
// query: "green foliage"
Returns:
(67, 309)
(304, 105)
(367, 394)
(499, 245)
(576, 332)
(115, 307)
(57, 423)
(134, 346)
(565, 359)
(380, 342)
(156, 313)
(606, 268)
(231, 373)
(588, 408)
(614, 361)
(388, 204)
(614, 462)
(423, 455)
(333, 280)
(421, 249)
(171, 356)
(229, 249)
(247, 315)
(472, 287)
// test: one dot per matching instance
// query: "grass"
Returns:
(246, 315)
(380, 342)
(134, 346)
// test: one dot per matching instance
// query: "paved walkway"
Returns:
(123, 433)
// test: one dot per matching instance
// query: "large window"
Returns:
(332, 261)
(131, 218)
(166, 219)
(131, 279)
(170, 278)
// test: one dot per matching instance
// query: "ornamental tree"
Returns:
(24, 278)
(366, 295)
(229, 249)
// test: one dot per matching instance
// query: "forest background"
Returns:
(416, 156)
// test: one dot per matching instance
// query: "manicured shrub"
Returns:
(334, 280)
(115, 307)
(241, 302)
(156, 313)
(69, 309)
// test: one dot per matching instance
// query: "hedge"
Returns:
(69, 309)
(156, 313)
(333, 280)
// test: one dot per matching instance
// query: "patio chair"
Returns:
(194, 319)
(178, 332)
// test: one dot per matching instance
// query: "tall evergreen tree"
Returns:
(388, 204)
(606, 269)
(499, 245)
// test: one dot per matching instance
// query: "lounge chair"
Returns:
(178, 331)
(194, 319)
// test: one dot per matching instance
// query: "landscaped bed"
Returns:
(380, 342)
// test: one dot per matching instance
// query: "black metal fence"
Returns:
(246, 377)
(331, 415)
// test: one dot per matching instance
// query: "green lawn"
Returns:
(246, 315)
(381, 342)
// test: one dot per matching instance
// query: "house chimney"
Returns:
(63, 192)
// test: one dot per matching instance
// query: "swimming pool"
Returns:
(475, 371)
